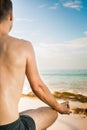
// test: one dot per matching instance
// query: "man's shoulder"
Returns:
(25, 45)
(21, 42)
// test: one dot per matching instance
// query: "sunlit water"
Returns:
(63, 80)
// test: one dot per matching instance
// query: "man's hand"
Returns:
(64, 108)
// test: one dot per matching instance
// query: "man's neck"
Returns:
(3, 29)
(2, 33)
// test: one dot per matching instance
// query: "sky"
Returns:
(57, 30)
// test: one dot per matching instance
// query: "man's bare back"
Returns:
(17, 59)
(12, 73)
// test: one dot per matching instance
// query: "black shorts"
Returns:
(23, 123)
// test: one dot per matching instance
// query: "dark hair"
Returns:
(5, 8)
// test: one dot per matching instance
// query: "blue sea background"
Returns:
(63, 80)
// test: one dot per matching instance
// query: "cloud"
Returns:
(24, 20)
(79, 43)
(54, 7)
(85, 32)
(17, 33)
(42, 5)
(69, 55)
(35, 33)
(76, 4)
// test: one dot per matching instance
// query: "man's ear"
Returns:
(10, 16)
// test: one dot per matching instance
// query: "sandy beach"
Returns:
(64, 122)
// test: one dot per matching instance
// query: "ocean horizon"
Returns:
(63, 80)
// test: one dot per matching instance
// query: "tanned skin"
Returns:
(17, 59)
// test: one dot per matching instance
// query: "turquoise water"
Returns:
(74, 80)
(63, 80)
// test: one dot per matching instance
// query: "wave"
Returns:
(64, 73)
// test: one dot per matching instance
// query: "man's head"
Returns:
(6, 11)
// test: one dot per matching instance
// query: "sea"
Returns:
(74, 81)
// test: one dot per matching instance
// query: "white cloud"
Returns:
(18, 32)
(42, 6)
(54, 7)
(70, 55)
(24, 20)
(85, 32)
(35, 33)
(79, 43)
(73, 4)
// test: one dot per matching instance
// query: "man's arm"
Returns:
(37, 85)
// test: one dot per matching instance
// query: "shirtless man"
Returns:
(17, 58)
